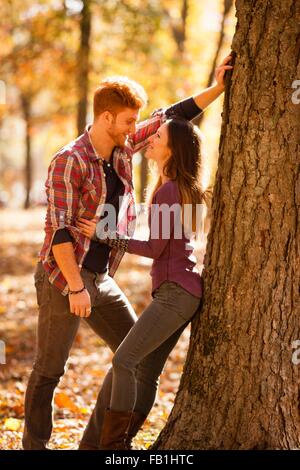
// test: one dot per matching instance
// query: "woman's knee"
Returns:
(121, 361)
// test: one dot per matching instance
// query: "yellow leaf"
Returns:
(84, 411)
(12, 424)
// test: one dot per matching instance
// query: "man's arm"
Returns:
(80, 304)
(66, 261)
(63, 195)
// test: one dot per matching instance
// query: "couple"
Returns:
(74, 275)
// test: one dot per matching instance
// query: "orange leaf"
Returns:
(63, 401)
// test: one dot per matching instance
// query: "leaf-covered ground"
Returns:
(20, 240)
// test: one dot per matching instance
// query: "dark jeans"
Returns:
(155, 332)
(112, 317)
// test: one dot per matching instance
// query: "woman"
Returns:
(176, 283)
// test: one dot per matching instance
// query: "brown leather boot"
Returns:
(114, 430)
(136, 423)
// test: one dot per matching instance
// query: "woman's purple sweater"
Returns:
(167, 245)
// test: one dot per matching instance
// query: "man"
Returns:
(73, 277)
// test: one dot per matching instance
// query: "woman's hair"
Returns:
(185, 165)
(117, 92)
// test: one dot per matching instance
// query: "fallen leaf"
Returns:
(64, 401)
(12, 424)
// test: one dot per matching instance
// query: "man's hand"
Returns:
(220, 71)
(87, 227)
(80, 304)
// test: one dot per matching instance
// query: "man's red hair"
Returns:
(115, 93)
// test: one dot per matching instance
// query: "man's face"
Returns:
(122, 124)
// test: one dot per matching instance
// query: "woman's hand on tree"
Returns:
(221, 69)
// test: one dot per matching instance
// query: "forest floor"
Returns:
(20, 240)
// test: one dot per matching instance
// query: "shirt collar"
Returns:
(92, 153)
(88, 144)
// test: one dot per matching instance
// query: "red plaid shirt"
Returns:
(76, 187)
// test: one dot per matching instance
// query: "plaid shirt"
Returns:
(76, 187)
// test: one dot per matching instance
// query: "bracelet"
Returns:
(119, 243)
(76, 291)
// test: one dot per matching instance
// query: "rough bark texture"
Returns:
(240, 388)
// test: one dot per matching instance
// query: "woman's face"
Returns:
(158, 149)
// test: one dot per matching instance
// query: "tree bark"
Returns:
(83, 66)
(240, 387)
(25, 102)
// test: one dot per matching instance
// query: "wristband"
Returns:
(76, 291)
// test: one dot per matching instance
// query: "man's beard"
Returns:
(116, 137)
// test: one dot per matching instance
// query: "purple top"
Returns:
(168, 247)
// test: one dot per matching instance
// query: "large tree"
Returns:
(240, 387)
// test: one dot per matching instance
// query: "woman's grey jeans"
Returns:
(156, 330)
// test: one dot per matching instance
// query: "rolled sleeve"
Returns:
(62, 190)
(61, 236)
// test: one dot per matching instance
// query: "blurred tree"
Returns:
(240, 387)
(178, 28)
(26, 107)
(34, 44)
(227, 5)
(83, 65)
(178, 25)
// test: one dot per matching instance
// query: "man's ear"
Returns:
(108, 117)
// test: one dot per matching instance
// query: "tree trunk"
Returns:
(178, 27)
(143, 177)
(28, 158)
(83, 66)
(226, 9)
(240, 387)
